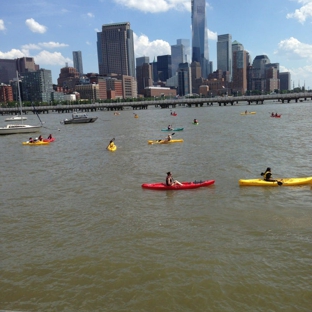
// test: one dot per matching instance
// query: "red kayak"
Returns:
(173, 114)
(49, 140)
(184, 186)
(277, 116)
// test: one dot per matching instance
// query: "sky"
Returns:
(50, 31)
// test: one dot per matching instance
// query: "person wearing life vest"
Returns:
(170, 181)
(267, 176)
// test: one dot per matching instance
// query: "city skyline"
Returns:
(49, 32)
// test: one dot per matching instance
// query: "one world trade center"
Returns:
(200, 36)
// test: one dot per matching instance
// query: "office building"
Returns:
(116, 50)
(164, 67)
(179, 54)
(285, 81)
(257, 77)
(144, 77)
(68, 79)
(9, 67)
(184, 79)
(6, 93)
(200, 36)
(224, 53)
(141, 60)
(77, 60)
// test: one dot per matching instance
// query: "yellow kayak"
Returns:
(112, 148)
(248, 113)
(164, 141)
(285, 182)
(36, 143)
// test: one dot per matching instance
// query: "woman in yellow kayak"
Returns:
(111, 144)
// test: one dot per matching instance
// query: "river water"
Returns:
(78, 233)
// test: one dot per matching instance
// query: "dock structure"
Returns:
(170, 103)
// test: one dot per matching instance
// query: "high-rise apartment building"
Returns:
(77, 60)
(37, 86)
(141, 60)
(200, 36)
(116, 49)
(224, 53)
(240, 61)
(144, 77)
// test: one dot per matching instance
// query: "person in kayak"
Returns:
(272, 115)
(267, 176)
(170, 181)
(195, 121)
(30, 140)
(111, 144)
(169, 127)
(50, 136)
(40, 138)
(169, 138)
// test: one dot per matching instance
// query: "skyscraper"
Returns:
(116, 49)
(200, 36)
(179, 54)
(77, 59)
(224, 53)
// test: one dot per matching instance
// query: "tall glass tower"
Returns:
(200, 36)
(224, 53)
(77, 59)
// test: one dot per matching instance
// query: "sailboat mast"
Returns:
(19, 96)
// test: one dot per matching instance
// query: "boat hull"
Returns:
(38, 143)
(16, 118)
(184, 186)
(249, 113)
(112, 148)
(285, 182)
(174, 129)
(165, 141)
(80, 120)
(15, 129)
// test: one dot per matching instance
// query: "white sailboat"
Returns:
(16, 118)
(19, 128)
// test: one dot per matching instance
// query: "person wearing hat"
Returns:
(170, 181)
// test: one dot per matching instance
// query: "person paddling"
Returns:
(267, 176)
(111, 143)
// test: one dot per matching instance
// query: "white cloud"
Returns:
(294, 49)
(43, 58)
(144, 47)
(156, 6)
(2, 27)
(35, 26)
(52, 45)
(48, 58)
(212, 35)
(14, 53)
(90, 15)
(303, 13)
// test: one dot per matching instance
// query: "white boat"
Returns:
(19, 128)
(16, 118)
(79, 118)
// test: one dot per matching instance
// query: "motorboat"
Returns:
(16, 118)
(79, 118)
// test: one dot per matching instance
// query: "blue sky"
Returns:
(50, 30)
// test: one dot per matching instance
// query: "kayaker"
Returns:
(272, 115)
(30, 140)
(50, 136)
(169, 127)
(276, 114)
(169, 138)
(267, 176)
(246, 112)
(111, 143)
(40, 138)
(170, 181)
(195, 121)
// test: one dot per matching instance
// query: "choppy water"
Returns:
(79, 234)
